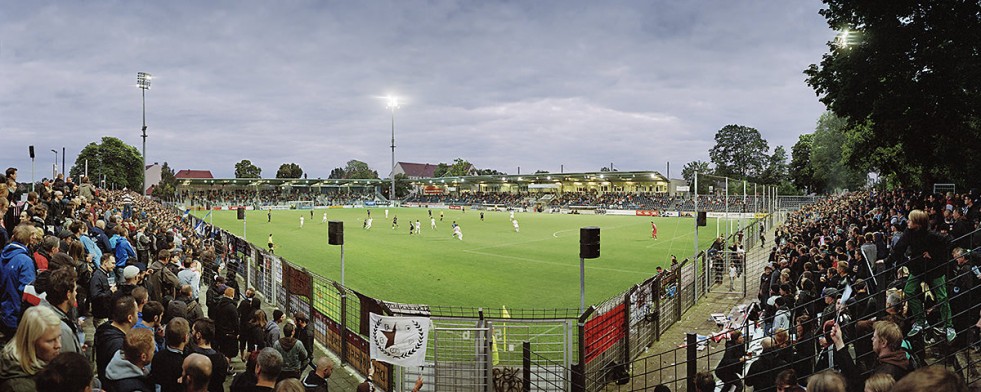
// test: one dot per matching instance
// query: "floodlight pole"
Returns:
(54, 170)
(582, 284)
(393, 103)
(143, 82)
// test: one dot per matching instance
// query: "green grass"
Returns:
(492, 266)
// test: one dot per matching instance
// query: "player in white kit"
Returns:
(301, 222)
(432, 222)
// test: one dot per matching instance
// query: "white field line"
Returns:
(554, 263)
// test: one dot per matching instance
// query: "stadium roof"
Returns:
(610, 176)
(185, 174)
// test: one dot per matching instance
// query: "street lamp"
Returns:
(143, 82)
(54, 168)
(393, 103)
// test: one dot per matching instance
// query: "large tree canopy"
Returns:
(907, 76)
(829, 173)
(118, 162)
(245, 169)
(459, 168)
(289, 170)
(358, 169)
(801, 173)
(168, 184)
(739, 152)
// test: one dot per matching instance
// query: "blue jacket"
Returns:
(101, 239)
(16, 271)
(92, 249)
(123, 251)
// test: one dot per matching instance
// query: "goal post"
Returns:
(301, 204)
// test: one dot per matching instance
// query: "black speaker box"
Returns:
(241, 213)
(31, 149)
(589, 242)
(335, 232)
(701, 218)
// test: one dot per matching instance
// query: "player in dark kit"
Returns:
(269, 216)
(395, 222)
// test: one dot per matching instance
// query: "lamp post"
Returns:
(54, 168)
(393, 103)
(143, 82)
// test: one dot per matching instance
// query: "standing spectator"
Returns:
(826, 381)
(123, 250)
(704, 382)
(17, 271)
(168, 363)
(190, 275)
(316, 381)
(162, 279)
(196, 376)
(731, 365)
(293, 352)
(886, 343)
(304, 333)
(109, 336)
(786, 381)
(61, 299)
(267, 369)
(87, 190)
(256, 339)
(928, 250)
(271, 333)
(204, 333)
(101, 287)
(127, 371)
(215, 291)
(67, 372)
(244, 316)
(763, 372)
(930, 378)
(37, 341)
(194, 310)
(226, 322)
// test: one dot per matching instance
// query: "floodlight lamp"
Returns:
(393, 102)
(143, 80)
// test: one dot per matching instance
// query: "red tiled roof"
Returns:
(193, 174)
(421, 170)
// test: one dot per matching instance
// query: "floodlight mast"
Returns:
(393, 103)
(143, 82)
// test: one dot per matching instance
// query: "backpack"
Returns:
(914, 361)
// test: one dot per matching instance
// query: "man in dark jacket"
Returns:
(763, 372)
(109, 337)
(203, 332)
(165, 284)
(226, 324)
(167, 364)
(245, 312)
(929, 251)
(101, 287)
(316, 381)
(304, 333)
(731, 365)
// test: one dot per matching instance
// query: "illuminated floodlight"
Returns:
(393, 102)
(143, 80)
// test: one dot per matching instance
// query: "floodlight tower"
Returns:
(393, 103)
(143, 82)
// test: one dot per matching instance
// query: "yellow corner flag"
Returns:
(504, 327)
(496, 356)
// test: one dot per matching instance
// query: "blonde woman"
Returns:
(37, 341)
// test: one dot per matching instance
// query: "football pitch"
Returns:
(536, 268)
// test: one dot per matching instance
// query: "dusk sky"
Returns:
(504, 84)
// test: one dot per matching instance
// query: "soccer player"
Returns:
(418, 227)
(311, 213)
(512, 215)
(441, 216)
(395, 222)
(369, 224)
(271, 245)
(386, 213)
(516, 230)
(458, 233)
(432, 222)
(301, 221)
(269, 216)
(653, 230)
(325, 218)
(481, 216)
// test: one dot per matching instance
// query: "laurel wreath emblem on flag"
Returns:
(399, 340)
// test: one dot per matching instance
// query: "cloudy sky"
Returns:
(504, 84)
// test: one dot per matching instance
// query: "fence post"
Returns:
(343, 293)
(677, 293)
(657, 308)
(579, 369)
(626, 324)
(526, 366)
(692, 349)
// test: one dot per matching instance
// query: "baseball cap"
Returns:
(130, 272)
(830, 292)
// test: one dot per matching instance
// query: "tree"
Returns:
(690, 169)
(358, 169)
(289, 170)
(908, 80)
(336, 174)
(118, 162)
(442, 169)
(801, 172)
(541, 172)
(460, 168)
(245, 169)
(776, 167)
(827, 162)
(739, 152)
(490, 172)
(168, 184)
(402, 185)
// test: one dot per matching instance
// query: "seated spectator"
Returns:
(127, 371)
(37, 341)
(196, 374)
(168, 363)
(316, 381)
(886, 344)
(763, 372)
(826, 381)
(786, 381)
(67, 372)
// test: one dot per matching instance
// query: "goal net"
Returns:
(302, 204)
